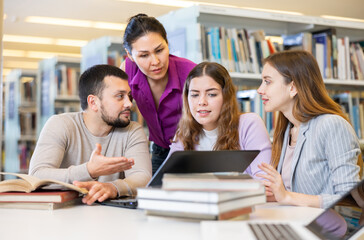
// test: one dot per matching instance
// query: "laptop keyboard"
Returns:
(270, 231)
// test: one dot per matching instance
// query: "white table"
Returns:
(103, 222)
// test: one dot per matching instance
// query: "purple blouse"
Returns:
(252, 136)
(162, 123)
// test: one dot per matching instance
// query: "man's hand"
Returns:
(100, 165)
(97, 191)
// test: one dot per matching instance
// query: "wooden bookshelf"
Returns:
(58, 88)
(20, 119)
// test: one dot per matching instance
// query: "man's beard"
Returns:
(117, 122)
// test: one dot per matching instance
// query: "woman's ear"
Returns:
(293, 90)
(129, 55)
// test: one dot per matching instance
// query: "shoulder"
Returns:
(247, 118)
(129, 67)
(252, 124)
(331, 126)
(65, 119)
(182, 63)
(134, 128)
(329, 121)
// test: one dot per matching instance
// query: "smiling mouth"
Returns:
(203, 112)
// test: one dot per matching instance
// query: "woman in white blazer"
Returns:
(315, 155)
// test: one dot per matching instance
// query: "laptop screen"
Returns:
(343, 219)
(204, 161)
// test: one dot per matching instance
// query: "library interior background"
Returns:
(47, 44)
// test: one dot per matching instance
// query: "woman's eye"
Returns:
(212, 95)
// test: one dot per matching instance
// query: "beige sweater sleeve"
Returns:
(64, 147)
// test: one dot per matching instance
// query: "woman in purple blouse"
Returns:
(211, 119)
(156, 79)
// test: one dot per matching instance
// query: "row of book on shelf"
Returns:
(67, 80)
(240, 50)
(352, 104)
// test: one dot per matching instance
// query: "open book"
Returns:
(28, 183)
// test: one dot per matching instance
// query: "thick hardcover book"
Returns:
(207, 196)
(207, 181)
(28, 183)
(40, 205)
(39, 196)
(200, 207)
(238, 214)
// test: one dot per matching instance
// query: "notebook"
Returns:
(194, 162)
(342, 220)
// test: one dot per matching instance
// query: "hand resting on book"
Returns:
(97, 191)
(100, 165)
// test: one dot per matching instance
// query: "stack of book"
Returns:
(29, 192)
(41, 200)
(203, 196)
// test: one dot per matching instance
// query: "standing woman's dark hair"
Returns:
(228, 123)
(138, 26)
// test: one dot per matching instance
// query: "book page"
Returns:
(36, 182)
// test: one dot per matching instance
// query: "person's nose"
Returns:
(260, 90)
(155, 59)
(128, 102)
(202, 101)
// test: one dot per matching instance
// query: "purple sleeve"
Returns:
(254, 136)
(175, 146)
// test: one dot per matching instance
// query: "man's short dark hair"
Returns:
(92, 81)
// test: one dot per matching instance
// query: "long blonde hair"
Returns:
(189, 129)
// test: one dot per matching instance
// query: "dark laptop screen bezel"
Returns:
(204, 161)
(318, 230)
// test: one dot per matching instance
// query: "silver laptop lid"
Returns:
(343, 219)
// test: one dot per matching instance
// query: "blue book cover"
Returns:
(215, 37)
(321, 38)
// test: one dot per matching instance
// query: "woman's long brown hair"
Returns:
(312, 98)
(189, 129)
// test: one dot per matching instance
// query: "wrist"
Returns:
(115, 193)
(287, 198)
(90, 171)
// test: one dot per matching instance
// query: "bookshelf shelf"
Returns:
(255, 80)
(103, 50)
(231, 37)
(20, 119)
(57, 88)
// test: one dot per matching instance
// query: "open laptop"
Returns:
(194, 162)
(343, 220)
